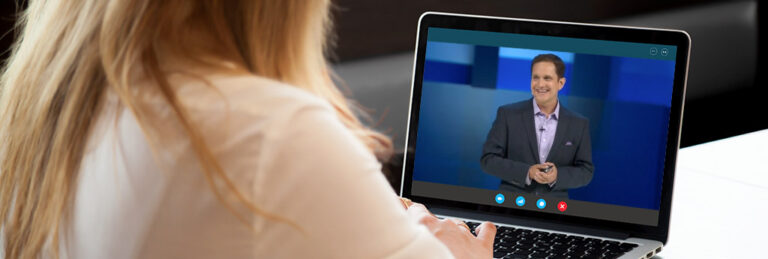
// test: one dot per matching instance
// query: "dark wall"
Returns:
(369, 27)
(725, 91)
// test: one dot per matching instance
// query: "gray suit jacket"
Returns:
(511, 149)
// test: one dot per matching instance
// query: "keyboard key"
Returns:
(593, 240)
(626, 247)
(508, 241)
(523, 249)
(612, 248)
(548, 238)
(526, 241)
(521, 252)
(499, 254)
(506, 249)
(580, 249)
(573, 254)
(590, 256)
(515, 256)
(579, 244)
(543, 243)
(559, 241)
(560, 246)
(505, 229)
(612, 254)
(557, 253)
(523, 246)
(540, 249)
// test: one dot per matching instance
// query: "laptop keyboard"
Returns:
(525, 243)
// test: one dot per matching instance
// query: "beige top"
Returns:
(283, 148)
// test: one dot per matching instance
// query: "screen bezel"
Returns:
(680, 39)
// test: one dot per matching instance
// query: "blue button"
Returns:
(541, 203)
(499, 198)
(520, 201)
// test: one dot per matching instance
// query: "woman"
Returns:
(195, 129)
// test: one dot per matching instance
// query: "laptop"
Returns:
(565, 135)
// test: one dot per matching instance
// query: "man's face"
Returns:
(544, 82)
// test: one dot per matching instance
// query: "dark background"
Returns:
(394, 22)
(725, 94)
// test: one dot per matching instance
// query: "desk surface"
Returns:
(720, 200)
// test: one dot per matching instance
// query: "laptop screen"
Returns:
(547, 124)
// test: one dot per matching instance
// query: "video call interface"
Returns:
(549, 124)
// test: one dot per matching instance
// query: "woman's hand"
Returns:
(455, 234)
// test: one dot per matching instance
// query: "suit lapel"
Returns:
(562, 125)
(530, 129)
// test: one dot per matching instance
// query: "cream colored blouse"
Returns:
(284, 149)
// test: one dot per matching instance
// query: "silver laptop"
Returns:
(563, 134)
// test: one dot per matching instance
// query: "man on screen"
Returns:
(538, 146)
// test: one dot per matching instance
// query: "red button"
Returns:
(562, 206)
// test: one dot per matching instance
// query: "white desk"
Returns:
(720, 200)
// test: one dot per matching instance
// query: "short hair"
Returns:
(559, 64)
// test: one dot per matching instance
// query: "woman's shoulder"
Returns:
(234, 112)
(246, 94)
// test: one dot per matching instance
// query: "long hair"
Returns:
(70, 52)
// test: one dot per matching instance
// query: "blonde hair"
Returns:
(70, 52)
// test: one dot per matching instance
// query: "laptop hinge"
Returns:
(513, 220)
